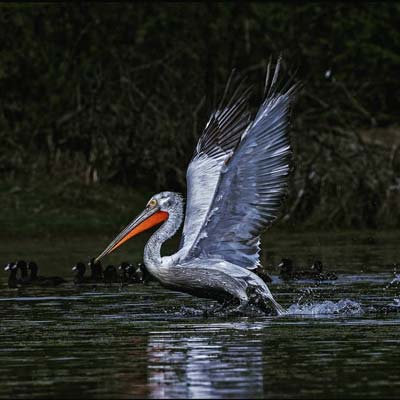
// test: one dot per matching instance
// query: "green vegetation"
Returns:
(101, 105)
(49, 208)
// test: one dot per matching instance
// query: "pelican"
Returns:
(236, 182)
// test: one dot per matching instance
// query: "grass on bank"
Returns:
(50, 207)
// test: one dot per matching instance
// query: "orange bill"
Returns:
(146, 220)
(155, 219)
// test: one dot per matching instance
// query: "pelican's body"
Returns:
(218, 280)
(236, 182)
(212, 278)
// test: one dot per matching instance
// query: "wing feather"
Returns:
(217, 142)
(251, 186)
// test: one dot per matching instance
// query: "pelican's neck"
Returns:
(152, 250)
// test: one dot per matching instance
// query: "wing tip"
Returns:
(273, 87)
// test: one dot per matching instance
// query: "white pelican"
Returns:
(236, 182)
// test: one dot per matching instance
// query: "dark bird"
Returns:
(289, 272)
(236, 180)
(23, 272)
(138, 273)
(80, 278)
(143, 274)
(317, 268)
(96, 268)
(38, 280)
(135, 274)
(124, 276)
(286, 269)
(12, 276)
(110, 274)
(130, 273)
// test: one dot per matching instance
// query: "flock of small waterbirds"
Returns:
(22, 274)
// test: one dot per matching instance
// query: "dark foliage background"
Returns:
(119, 93)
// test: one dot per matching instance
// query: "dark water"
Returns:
(339, 339)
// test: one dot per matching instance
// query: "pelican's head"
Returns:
(157, 210)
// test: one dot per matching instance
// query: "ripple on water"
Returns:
(338, 338)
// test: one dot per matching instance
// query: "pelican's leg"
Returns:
(264, 301)
(261, 296)
(278, 308)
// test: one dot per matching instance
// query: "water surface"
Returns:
(339, 339)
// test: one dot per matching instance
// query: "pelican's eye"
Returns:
(152, 203)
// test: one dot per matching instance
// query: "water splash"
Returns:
(342, 307)
(396, 280)
(191, 311)
(393, 287)
(395, 303)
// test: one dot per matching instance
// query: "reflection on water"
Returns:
(339, 339)
(202, 367)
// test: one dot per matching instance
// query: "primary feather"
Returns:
(220, 137)
(248, 190)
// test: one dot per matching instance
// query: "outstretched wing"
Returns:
(251, 186)
(221, 135)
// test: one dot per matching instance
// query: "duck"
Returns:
(286, 269)
(138, 273)
(144, 274)
(135, 273)
(79, 268)
(130, 273)
(22, 266)
(12, 277)
(110, 274)
(123, 277)
(38, 280)
(96, 271)
(289, 272)
(317, 268)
